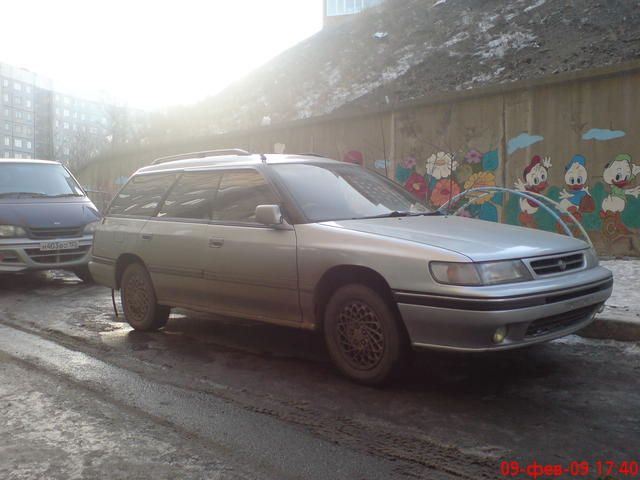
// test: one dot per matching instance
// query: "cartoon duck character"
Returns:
(575, 197)
(618, 174)
(535, 180)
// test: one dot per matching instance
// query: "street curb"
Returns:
(609, 328)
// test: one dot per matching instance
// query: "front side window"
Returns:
(239, 193)
(141, 196)
(191, 197)
(36, 180)
(340, 191)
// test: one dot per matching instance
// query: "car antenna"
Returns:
(263, 157)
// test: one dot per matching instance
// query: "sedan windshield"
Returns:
(24, 180)
(341, 191)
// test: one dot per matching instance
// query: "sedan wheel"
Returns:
(139, 300)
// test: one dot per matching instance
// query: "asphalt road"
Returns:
(213, 397)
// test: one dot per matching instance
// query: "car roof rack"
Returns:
(310, 154)
(203, 154)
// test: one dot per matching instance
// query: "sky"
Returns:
(151, 54)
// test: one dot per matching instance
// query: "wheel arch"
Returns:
(341, 275)
(122, 263)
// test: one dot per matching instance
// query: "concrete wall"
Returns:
(574, 140)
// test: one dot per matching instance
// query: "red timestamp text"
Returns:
(600, 468)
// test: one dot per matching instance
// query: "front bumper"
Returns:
(468, 323)
(20, 254)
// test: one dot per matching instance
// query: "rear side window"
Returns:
(141, 196)
(239, 193)
(191, 197)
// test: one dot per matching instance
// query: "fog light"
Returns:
(500, 334)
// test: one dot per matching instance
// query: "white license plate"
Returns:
(59, 245)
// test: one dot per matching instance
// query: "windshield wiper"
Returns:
(60, 195)
(22, 194)
(395, 213)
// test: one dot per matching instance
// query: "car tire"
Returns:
(139, 301)
(83, 274)
(364, 336)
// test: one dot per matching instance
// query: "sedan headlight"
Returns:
(91, 227)
(11, 231)
(483, 273)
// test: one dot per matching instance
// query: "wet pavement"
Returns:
(264, 402)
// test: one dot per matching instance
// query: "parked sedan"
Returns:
(323, 245)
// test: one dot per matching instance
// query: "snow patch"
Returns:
(535, 5)
(498, 47)
(439, 2)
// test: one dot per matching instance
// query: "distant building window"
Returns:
(65, 125)
(65, 150)
(19, 115)
(7, 141)
(17, 142)
(28, 145)
(7, 154)
(348, 7)
(28, 88)
(5, 82)
(6, 112)
(67, 100)
(7, 126)
(18, 155)
(27, 103)
(29, 117)
(5, 97)
(17, 86)
(17, 101)
(66, 113)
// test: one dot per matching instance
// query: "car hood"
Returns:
(477, 239)
(48, 214)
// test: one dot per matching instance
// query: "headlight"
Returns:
(591, 258)
(10, 231)
(91, 227)
(483, 273)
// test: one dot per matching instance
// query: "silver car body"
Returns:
(278, 273)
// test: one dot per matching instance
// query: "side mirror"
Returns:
(269, 215)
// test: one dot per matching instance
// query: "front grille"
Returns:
(559, 264)
(8, 257)
(49, 233)
(546, 325)
(57, 256)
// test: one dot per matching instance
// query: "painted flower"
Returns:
(477, 180)
(463, 173)
(473, 156)
(417, 185)
(440, 165)
(410, 162)
(444, 190)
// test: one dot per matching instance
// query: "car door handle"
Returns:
(147, 236)
(216, 242)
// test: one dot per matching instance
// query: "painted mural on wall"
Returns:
(442, 177)
(610, 206)
(604, 200)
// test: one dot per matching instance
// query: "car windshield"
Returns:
(24, 180)
(342, 191)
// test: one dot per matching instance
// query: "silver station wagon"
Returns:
(323, 245)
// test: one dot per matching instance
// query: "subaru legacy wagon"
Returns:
(323, 245)
(46, 219)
